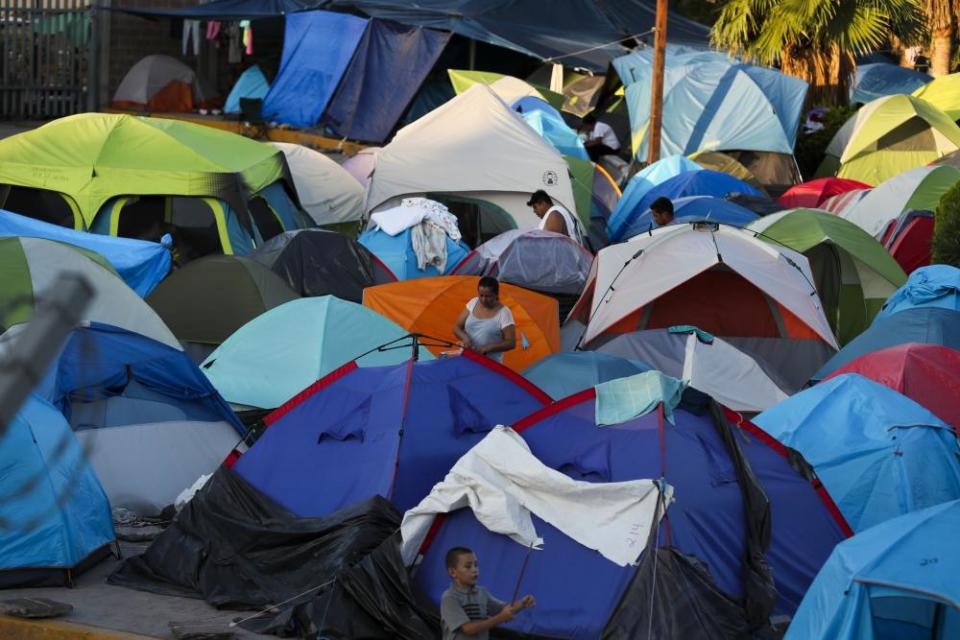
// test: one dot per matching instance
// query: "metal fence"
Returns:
(48, 48)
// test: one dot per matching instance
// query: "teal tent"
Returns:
(251, 84)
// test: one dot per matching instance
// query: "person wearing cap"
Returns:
(554, 217)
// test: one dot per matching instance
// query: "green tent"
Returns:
(31, 268)
(210, 298)
(93, 167)
(507, 87)
(853, 273)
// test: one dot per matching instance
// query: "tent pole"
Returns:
(656, 92)
(473, 54)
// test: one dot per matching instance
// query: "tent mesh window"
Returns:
(40, 204)
(195, 225)
(266, 220)
(142, 217)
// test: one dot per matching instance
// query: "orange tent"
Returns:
(431, 305)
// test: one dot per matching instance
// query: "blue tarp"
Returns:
(251, 84)
(548, 122)
(566, 373)
(229, 9)
(935, 286)
(140, 263)
(392, 431)
(691, 209)
(388, 68)
(317, 47)
(713, 102)
(59, 521)
(878, 453)
(576, 588)
(884, 79)
(925, 325)
(888, 582)
(396, 252)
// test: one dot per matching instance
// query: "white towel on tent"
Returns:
(413, 211)
(503, 483)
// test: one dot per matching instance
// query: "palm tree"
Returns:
(815, 40)
(942, 23)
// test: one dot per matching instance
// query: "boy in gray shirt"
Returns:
(469, 611)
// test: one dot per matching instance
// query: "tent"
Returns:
(713, 102)
(889, 136)
(917, 189)
(141, 264)
(897, 580)
(31, 268)
(943, 93)
(909, 239)
(884, 79)
(390, 63)
(206, 301)
(317, 47)
(936, 286)
(814, 192)
(853, 273)
(690, 209)
(278, 354)
(360, 165)
(720, 161)
(774, 172)
(251, 84)
(718, 278)
(509, 89)
(392, 431)
(596, 195)
(568, 372)
(55, 528)
(397, 255)
(713, 366)
(430, 306)
(548, 123)
(692, 576)
(327, 192)
(538, 260)
(924, 325)
(925, 373)
(473, 146)
(842, 201)
(149, 422)
(316, 262)
(129, 176)
(878, 453)
(160, 83)
(648, 178)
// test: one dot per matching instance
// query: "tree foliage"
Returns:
(946, 232)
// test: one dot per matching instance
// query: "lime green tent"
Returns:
(507, 87)
(888, 136)
(943, 93)
(127, 175)
(853, 273)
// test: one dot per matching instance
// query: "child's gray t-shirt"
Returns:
(458, 607)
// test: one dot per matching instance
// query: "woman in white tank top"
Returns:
(486, 325)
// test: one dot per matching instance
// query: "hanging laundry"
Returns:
(234, 52)
(247, 36)
(191, 35)
(213, 29)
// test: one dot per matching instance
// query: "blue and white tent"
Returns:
(569, 372)
(548, 122)
(690, 209)
(397, 254)
(251, 84)
(646, 179)
(936, 286)
(881, 79)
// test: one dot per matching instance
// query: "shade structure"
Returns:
(873, 586)
(360, 165)
(210, 298)
(909, 239)
(32, 268)
(160, 83)
(712, 102)
(251, 84)
(568, 372)
(891, 135)
(853, 273)
(538, 260)
(278, 354)
(327, 192)
(924, 325)
(474, 146)
(431, 306)
(943, 93)
(582, 595)
(715, 277)
(690, 209)
(936, 286)
(928, 374)
(316, 262)
(919, 189)
(392, 431)
(141, 264)
(713, 366)
(881, 79)
(878, 453)
(398, 257)
(55, 528)
(814, 192)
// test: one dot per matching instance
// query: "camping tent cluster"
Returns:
(741, 422)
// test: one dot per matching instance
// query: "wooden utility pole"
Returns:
(656, 93)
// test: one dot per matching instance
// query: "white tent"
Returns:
(629, 276)
(476, 147)
(153, 73)
(327, 192)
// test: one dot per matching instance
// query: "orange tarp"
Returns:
(431, 306)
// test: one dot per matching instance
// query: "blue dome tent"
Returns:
(646, 179)
(397, 254)
(251, 84)
(692, 209)
(934, 287)
(881, 79)
(568, 372)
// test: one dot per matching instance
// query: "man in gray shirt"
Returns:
(467, 610)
